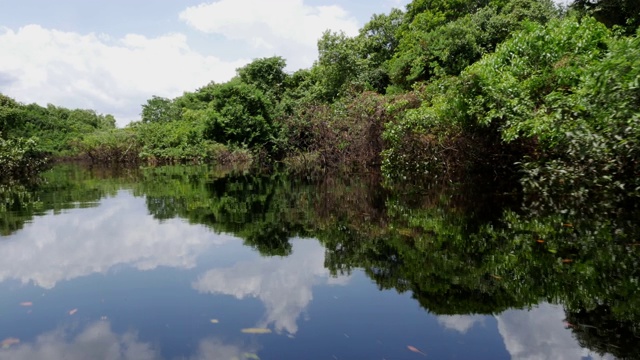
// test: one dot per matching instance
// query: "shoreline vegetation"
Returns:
(441, 91)
(499, 141)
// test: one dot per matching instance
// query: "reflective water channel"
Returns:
(197, 263)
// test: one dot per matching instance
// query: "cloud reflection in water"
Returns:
(284, 285)
(99, 341)
(82, 242)
(540, 333)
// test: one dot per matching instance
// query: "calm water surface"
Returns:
(188, 263)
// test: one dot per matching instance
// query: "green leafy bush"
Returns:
(239, 114)
(110, 146)
(20, 158)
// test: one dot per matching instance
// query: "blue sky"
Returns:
(111, 56)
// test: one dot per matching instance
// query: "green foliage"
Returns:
(20, 158)
(378, 38)
(159, 109)
(509, 89)
(522, 102)
(239, 114)
(337, 64)
(346, 64)
(596, 154)
(473, 86)
(174, 141)
(56, 127)
(206, 125)
(444, 40)
(10, 114)
(267, 75)
(110, 146)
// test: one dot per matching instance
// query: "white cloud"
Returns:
(539, 334)
(459, 323)
(83, 242)
(99, 72)
(288, 28)
(284, 285)
(97, 341)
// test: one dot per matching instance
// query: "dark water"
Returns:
(175, 262)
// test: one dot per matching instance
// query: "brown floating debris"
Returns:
(415, 350)
(256, 331)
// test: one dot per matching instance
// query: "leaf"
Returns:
(496, 277)
(415, 350)
(6, 343)
(73, 311)
(26, 303)
(256, 331)
(214, 321)
(251, 356)
(540, 241)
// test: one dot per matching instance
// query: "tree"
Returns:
(267, 74)
(160, 109)
(440, 38)
(337, 63)
(239, 114)
(377, 43)
(11, 115)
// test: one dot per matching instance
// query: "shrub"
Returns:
(20, 158)
(110, 146)
(347, 133)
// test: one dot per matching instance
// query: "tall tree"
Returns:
(267, 74)
(159, 109)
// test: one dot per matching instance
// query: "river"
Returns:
(190, 262)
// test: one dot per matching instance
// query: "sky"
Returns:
(113, 55)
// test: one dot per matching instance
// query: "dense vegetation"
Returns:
(488, 91)
(30, 134)
(446, 89)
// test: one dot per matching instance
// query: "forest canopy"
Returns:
(444, 89)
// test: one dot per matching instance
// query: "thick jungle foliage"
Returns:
(20, 158)
(460, 87)
(440, 38)
(55, 127)
(559, 99)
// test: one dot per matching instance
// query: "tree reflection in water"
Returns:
(460, 249)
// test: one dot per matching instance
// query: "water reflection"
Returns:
(541, 333)
(284, 285)
(98, 340)
(95, 341)
(81, 242)
(460, 323)
(460, 257)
